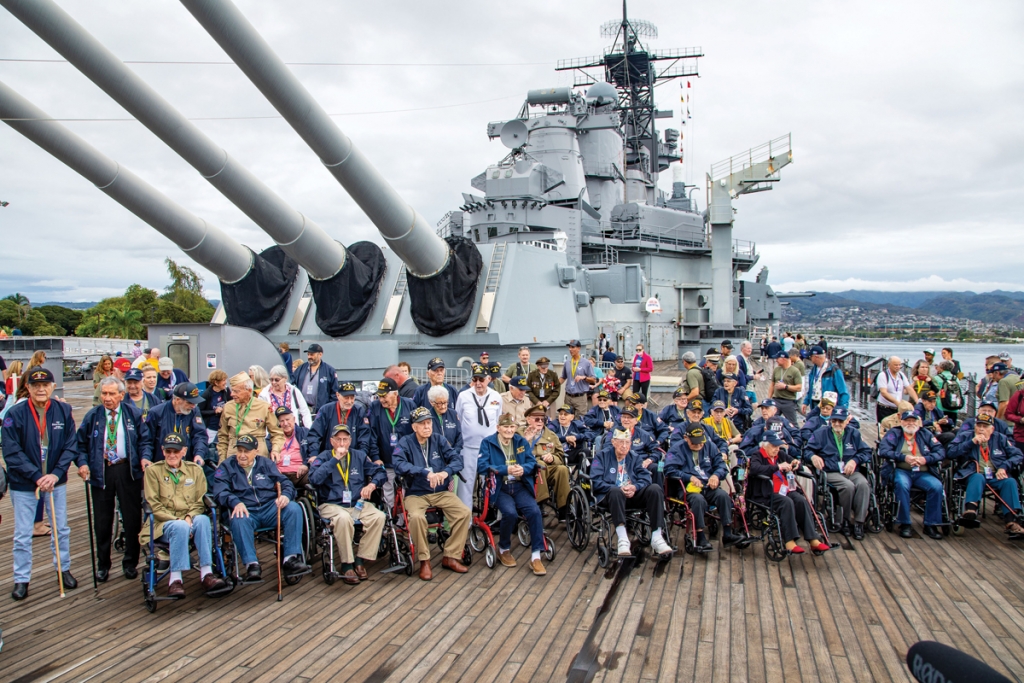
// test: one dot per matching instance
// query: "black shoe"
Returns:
(130, 572)
(294, 565)
(20, 591)
(562, 513)
(102, 575)
(730, 539)
(163, 565)
(858, 532)
(253, 572)
(69, 581)
(906, 531)
(845, 530)
(933, 532)
(701, 545)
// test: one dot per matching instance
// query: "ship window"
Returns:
(476, 234)
(513, 230)
(492, 231)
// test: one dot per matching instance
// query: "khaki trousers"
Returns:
(342, 521)
(455, 511)
(556, 478)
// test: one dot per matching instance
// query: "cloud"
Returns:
(933, 283)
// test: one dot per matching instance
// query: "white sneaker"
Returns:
(660, 547)
(624, 548)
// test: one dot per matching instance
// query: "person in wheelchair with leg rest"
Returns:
(246, 485)
(989, 461)
(699, 468)
(838, 450)
(910, 455)
(344, 480)
(174, 491)
(428, 465)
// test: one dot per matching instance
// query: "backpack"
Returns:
(710, 383)
(951, 395)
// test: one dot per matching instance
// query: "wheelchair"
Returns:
(888, 506)
(484, 525)
(828, 499)
(679, 517)
(762, 523)
(152, 575)
(956, 492)
(232, 561)
(401, 548)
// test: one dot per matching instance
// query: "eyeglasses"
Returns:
(478, 380)
(439, 404)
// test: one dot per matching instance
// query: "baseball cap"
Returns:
(620, 359)
(479, 371)
(282, 410)
(909, 415)
(519, 382)
(984, 419)
(829, 397)
(314, 348)
(990, 404)
(631, 412)
(694, 431)
(246, 442)
(998, 367)
(772, 438)
(339, 428)
(165, 363)
(495, 369)
(188, 392)
(1003, 355)
(817, 351)
(604, 394)
(680, 392)
(173, 442)
(631, 398)
(928, 395)
(696, 404)
(133, 375)
(730, 375)
(779, 354)
(839, 414)
(726, 343)
(386, 386)
(347, 389)
(435, 363)
(769, 403)
(574, 343)
(419, 414)
(566, 408)
(718, 405)
(930, 352)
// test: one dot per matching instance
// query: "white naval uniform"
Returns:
(473, 433)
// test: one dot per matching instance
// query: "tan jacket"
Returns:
(549, 382)
(169, 500)
(549, 443)
(518, 410)
(258, 422)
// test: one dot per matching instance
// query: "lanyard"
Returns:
(240, 419)
(286, 401)
(985, 455)
(112, 426)
(398, 411)
(337, 410)
(289, 442)
(839, 445)
(40, 425)
(175, 475)
(572, 367)
(348, 465)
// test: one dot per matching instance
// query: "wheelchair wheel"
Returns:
(549, 551)
(957, 529)
(490, 558)
(523, 532)
(407, 557)
(477, 539)
(292, 580)
(442, 537)
(467, 555)
(578, 520)
(711, 526)
(604, 554)
(688, 545)
(119, 544)
(675, 524)
(308, 528)
(774, 548)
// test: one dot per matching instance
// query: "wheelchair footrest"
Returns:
(221, 591)
(968, 523)
(396, 568)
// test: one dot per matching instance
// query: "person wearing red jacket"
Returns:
(1015, 416)
(643, 366)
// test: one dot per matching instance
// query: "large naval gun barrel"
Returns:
(206, 244)
(444, 273)
(344, 285)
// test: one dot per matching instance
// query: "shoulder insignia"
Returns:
(8, 422)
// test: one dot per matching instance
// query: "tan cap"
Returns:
(240, 378)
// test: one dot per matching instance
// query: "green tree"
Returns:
(22, 302)
(10, 313)
(35, 324)
(183, 300)
(124, 322)
(67, 318)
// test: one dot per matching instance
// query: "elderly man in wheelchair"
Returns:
(989, 462)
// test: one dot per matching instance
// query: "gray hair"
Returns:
(107, 381)
(746, 343)
(524, 348)
(437, 392)
(279, 371)
(258, 374)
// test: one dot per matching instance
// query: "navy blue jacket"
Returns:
(670, 417)
(165, 384)
(891, 449)
(575, 428)
(448, 426)
(231, 486)
(411, 466)
(823, 444)
(330, 485)
(710, 434)
(595, 419)
(326, 389)
(318, 438)
(92, 439)
(679, 462)
(604, 472)
(643, 444)
(152, 400)
(815, 421)
(738, 400)
(653, 425)
(1001, 427)
(21, 445)
(492, 459)
(381, 430)
(831, 380)
(1003, 454)
(420, 397)
(162, 421)
(929, 417)
(208, 408)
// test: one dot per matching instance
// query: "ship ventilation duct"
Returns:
(442, 303)
(260, 298)
(345, 300)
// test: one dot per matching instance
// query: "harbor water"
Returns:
(971, 356)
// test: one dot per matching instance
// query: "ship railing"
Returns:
(688, 239)
(458, 377)
(754, 155)
(744, 249)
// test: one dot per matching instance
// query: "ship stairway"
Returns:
(394, 303)
(483, 320)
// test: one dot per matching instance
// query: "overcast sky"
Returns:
(906, 122)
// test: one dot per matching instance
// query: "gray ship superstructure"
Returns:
(565, 237)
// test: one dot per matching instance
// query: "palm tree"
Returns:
(124, 323)
(23, 304)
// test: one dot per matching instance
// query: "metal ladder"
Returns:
(394, 303)
(483, 320)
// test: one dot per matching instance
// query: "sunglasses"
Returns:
(478, 380)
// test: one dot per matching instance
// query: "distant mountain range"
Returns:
(991, 307)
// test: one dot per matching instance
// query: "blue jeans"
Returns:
(243, 530)
(177, 532)
(24, 503)
(903, 480)
(1005, 488)
(512, 499)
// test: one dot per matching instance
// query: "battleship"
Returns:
(572, 215)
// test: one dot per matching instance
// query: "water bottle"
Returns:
(790, 480)
(359, 504)
(661, 465)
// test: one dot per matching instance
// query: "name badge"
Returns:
(346, 497)
(394, 439)
(988, 473)
(190, 482)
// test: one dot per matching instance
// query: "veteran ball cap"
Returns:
(604, 394)
(435, 363)
(928, 395)
(246, 442)
(506, 420)
(133, 375)
(718, 405)
(341, 429)
(495, 370)
(314, 348)
(519, 382)
(386, 386)
(696, 404)
(188, 392)
(420, 414)
(40, 376)
(772, 438)
(695, 432)
(347, 389)
(985, 419)
(173, 442)
(909, 415)
(282, 410)
(839, 414)
(769, 403)
(631, 412)
(680, 391)
(479, 371)
(566, 408)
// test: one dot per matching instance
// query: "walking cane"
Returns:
(92, 543)
(56, 542)
(278, 542)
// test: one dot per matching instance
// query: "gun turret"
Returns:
(444, 272)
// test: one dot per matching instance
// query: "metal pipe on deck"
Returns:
(405, 231)
(206, 244)
(298, 236)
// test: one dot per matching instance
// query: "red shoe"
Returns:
(797, 550)
(821, 549)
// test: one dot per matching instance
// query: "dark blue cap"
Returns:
(772, 438)
(769, 403)
(998, 367)
(817, 351)
(780, 354)
(909, 415)
(519, 382)
(839, 414)
(133, 374)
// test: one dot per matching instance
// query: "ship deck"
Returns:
(733, 615)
